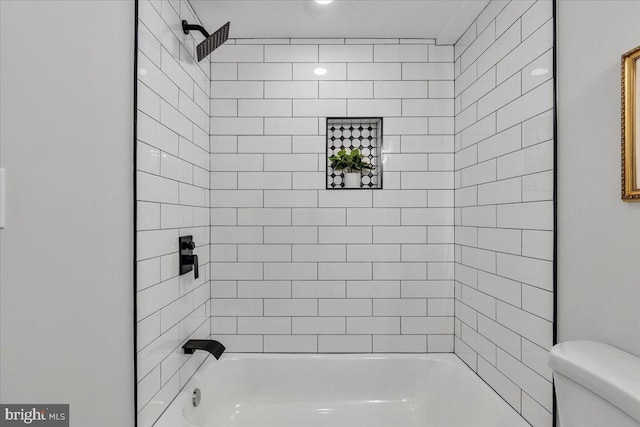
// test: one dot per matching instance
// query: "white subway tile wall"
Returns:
(455, 254)
(504, 202)
(173, 200)
(296, 267)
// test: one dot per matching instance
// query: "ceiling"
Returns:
(443, 20)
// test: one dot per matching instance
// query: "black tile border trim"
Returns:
(135, 213)
(555, 195)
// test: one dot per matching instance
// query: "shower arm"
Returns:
(186, 27)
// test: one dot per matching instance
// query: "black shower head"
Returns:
(211, 42)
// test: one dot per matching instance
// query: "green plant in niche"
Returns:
(350, 162)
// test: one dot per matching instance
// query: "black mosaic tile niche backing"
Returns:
(363, 133)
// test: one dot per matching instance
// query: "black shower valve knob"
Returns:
(188, 245)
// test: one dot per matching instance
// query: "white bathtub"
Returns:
(264, 390)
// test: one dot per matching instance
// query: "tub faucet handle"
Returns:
(191, 260)
(196, 270)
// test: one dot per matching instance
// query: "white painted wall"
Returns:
(599, 235)
(66, 254)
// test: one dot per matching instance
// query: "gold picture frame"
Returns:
(630, 123)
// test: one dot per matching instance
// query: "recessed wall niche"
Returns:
(350, 133)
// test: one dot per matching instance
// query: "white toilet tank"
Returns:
(596, 385)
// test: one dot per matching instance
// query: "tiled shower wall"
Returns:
(173, 200)
(296, 267)
(234, 154)
(504, 202)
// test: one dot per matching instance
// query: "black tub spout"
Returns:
(212, 346)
